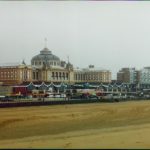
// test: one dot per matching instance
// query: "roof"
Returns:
(11, 64)
(45, 55)
(90, 69)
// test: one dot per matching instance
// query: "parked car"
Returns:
(6, 99)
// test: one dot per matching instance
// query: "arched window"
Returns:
(67, 75)
(60, 74)
(57, 74)
(63, 75)
(81, 77)
(78, 76)
(53, 74)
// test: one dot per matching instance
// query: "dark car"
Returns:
(93, 97)
(6, 99)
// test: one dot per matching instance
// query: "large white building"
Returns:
(92, 74)
(46, 67)
(145, 75)
(49, 68)
(15, 73)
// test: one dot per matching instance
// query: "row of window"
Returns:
(54, 75)
(13, 72)
(57, 78)
(90, 77)
(59, 74)
(53, 63)
(145, 76)
(14, 76)
(8, 72)
(25, 77)
(148, 80)
(7, 76)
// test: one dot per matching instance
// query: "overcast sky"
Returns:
(109, 35)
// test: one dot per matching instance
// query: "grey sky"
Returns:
(110, 35)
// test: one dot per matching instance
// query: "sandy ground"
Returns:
(97, 125)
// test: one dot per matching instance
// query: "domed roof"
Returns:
(45, 55)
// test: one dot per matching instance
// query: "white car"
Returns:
(108, 96)
(63, 95)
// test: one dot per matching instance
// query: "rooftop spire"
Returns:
(45, 42)
(68, 58)
(23, 62)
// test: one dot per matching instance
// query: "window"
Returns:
(52, 74)
(63, 74)
(59, 74)
(67, 75)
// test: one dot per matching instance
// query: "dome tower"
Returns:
(45, 58)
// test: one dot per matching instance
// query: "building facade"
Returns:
(15, 73)
(49, 68)
(92, 75)
(46, 67)
(144, 76)
(128, 75)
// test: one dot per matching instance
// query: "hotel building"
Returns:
(46, 67)
(15, 73)
(49, 68)
(92, 75)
